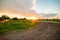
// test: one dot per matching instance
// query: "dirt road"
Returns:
(43, 31)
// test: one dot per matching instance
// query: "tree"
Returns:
(23, 19)
(14, 18)
(0, 18)
(4, 17)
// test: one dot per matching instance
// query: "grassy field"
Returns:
(53, 20)
(14, 25)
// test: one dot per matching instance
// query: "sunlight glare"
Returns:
(31, 18)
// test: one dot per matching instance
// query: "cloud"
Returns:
(18, 4)
(19, 7)
(49, 14)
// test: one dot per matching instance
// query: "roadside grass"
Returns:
(53, 20)
(14, 25)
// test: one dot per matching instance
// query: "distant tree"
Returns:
(4, 17)
(14, 18)
(0, 18)
(47, 19)
(54, 19)
(23, 19)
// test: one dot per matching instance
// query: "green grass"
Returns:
(14, 25)
(53, 20)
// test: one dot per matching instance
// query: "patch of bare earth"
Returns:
(43, 31)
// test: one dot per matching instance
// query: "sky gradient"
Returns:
(30, 8)
(46, 6)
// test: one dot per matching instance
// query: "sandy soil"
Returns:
(43, 31)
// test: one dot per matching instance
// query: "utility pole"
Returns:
(57, 18)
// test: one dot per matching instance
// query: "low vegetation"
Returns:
(14, 24)
(52, 20)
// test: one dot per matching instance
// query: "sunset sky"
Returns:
(30, 8)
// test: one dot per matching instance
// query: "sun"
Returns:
(31, 17)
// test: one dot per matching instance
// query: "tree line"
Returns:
(5, 17)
